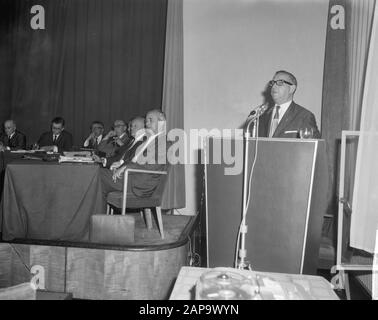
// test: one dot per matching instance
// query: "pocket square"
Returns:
(291, 131)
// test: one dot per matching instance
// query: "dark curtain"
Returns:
(96, 60)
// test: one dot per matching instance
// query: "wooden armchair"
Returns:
(119, 199)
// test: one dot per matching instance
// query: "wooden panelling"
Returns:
(23, 291)
(110, 274)
(14, 264)
(17, 259)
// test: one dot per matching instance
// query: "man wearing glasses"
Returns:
(95, 137)
(56, 140)
(115, 139)
(286, 119)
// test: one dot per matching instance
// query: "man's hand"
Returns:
(119, 142)
(91, 136)
(110, 134)
(48, 148)
(116, 165)
(96, 158)
(118, 173)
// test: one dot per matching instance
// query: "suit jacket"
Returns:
(295, 118)
(144, 185)
(125, 153)
(93, 144)
(64, 142)
(18, 141)
(109, 147)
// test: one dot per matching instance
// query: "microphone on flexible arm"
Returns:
(255, 114)
(243, 229)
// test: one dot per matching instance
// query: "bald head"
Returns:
(9, 127)
(153, 118)
(136, 124)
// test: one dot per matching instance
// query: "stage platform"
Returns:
(146, 269)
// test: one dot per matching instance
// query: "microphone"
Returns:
(257, 112)
(254, 115)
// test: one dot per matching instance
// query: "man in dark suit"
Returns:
(141, 185)
(126, 152)
(96, 135)
(12, 139)
(115, 139)
(56, 140)
(286, 119)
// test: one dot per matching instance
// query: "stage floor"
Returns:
(174, 226)
(145, 269)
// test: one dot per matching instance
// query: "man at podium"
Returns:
(286, 119)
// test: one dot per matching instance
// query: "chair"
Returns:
(119, 199)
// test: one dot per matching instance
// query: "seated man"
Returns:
(96, 135)
(12, 139)
(127, 151)
(150, 155)
(114, 139)
(56, 140)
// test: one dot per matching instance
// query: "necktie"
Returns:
(275, 120)
(54, 138)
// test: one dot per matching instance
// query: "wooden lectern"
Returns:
(286, 208)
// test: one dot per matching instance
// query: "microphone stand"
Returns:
(243, 264)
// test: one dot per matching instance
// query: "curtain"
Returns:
(96, 60)
(334, 101)
(344, 73)
(364, 222)
(173, 100)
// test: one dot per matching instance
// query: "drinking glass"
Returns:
(306, 133)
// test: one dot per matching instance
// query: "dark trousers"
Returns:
(108, 185)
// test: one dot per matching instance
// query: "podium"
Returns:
(287, 203)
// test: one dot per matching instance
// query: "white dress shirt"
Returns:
(283, 109)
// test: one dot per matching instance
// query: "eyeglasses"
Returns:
(279, 82)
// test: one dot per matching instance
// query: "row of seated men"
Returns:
(58, 139)
(120, 150)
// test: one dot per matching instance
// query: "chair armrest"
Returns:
(145, 171)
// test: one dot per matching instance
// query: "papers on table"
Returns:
(75, 159)
(86, 154)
